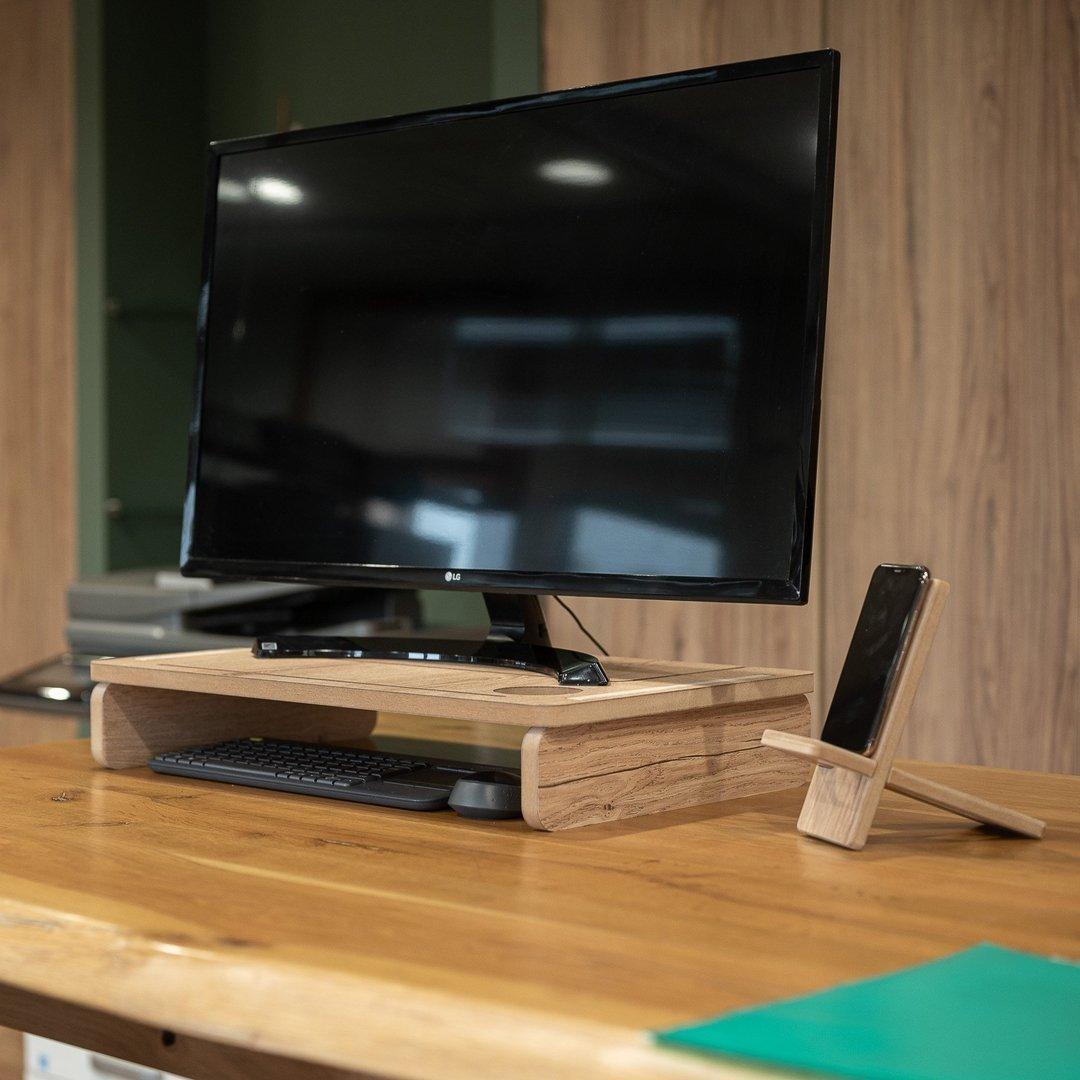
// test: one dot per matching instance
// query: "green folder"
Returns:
(986, 1013)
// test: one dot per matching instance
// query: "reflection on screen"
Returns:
(570, 339)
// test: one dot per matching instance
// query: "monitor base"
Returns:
(518, 639)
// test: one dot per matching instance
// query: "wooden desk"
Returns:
(245, 924)
(21, 727)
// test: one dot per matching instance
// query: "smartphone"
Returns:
(881, 638)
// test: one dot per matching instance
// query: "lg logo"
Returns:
(451, 576)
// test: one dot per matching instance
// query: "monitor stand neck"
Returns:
(518, 639)
(516, 617)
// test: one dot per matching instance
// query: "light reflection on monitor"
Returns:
(640, 544)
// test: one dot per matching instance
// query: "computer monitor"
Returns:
(568, 343)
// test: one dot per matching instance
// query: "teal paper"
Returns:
(987, 1013)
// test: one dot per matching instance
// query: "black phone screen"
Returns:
(865, 683)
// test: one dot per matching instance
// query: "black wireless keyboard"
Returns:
(365, 776)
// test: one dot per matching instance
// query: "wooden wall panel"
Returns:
(952, 390)
(37, 513)
(37, 531)
(590, 41)
(951, 419)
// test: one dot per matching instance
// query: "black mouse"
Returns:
(487, 795)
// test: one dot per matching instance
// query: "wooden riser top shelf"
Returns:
(638, 688)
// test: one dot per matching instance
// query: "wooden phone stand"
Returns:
(660, 736)
(846, 787)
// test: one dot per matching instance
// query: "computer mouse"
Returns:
(487, 795)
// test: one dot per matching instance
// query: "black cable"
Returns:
(581, 625)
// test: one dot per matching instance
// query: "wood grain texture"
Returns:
(130, 724)
(951, 415)
(37, 510)
(964, 804)
(458, 691)
(591, 41)
(21, 727)
(24, 727)
(574, 776)
(840, 807)
(497, 736)
(660, 736)
(417, 945)
(11, 1054)
(102, 1033)
(841, 804)
(951, 412)
(818, 751)
(37, 434)
(901, 782)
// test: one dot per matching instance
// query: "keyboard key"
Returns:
(243, 770)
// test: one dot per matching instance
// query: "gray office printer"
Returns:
(136, 612)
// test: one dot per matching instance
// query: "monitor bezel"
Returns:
(791, 590)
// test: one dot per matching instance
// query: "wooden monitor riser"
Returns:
(663, 735)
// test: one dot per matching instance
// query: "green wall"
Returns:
(153, 138)
(155, 83)
(340, 60)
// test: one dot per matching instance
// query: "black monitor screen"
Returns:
(523, 343)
